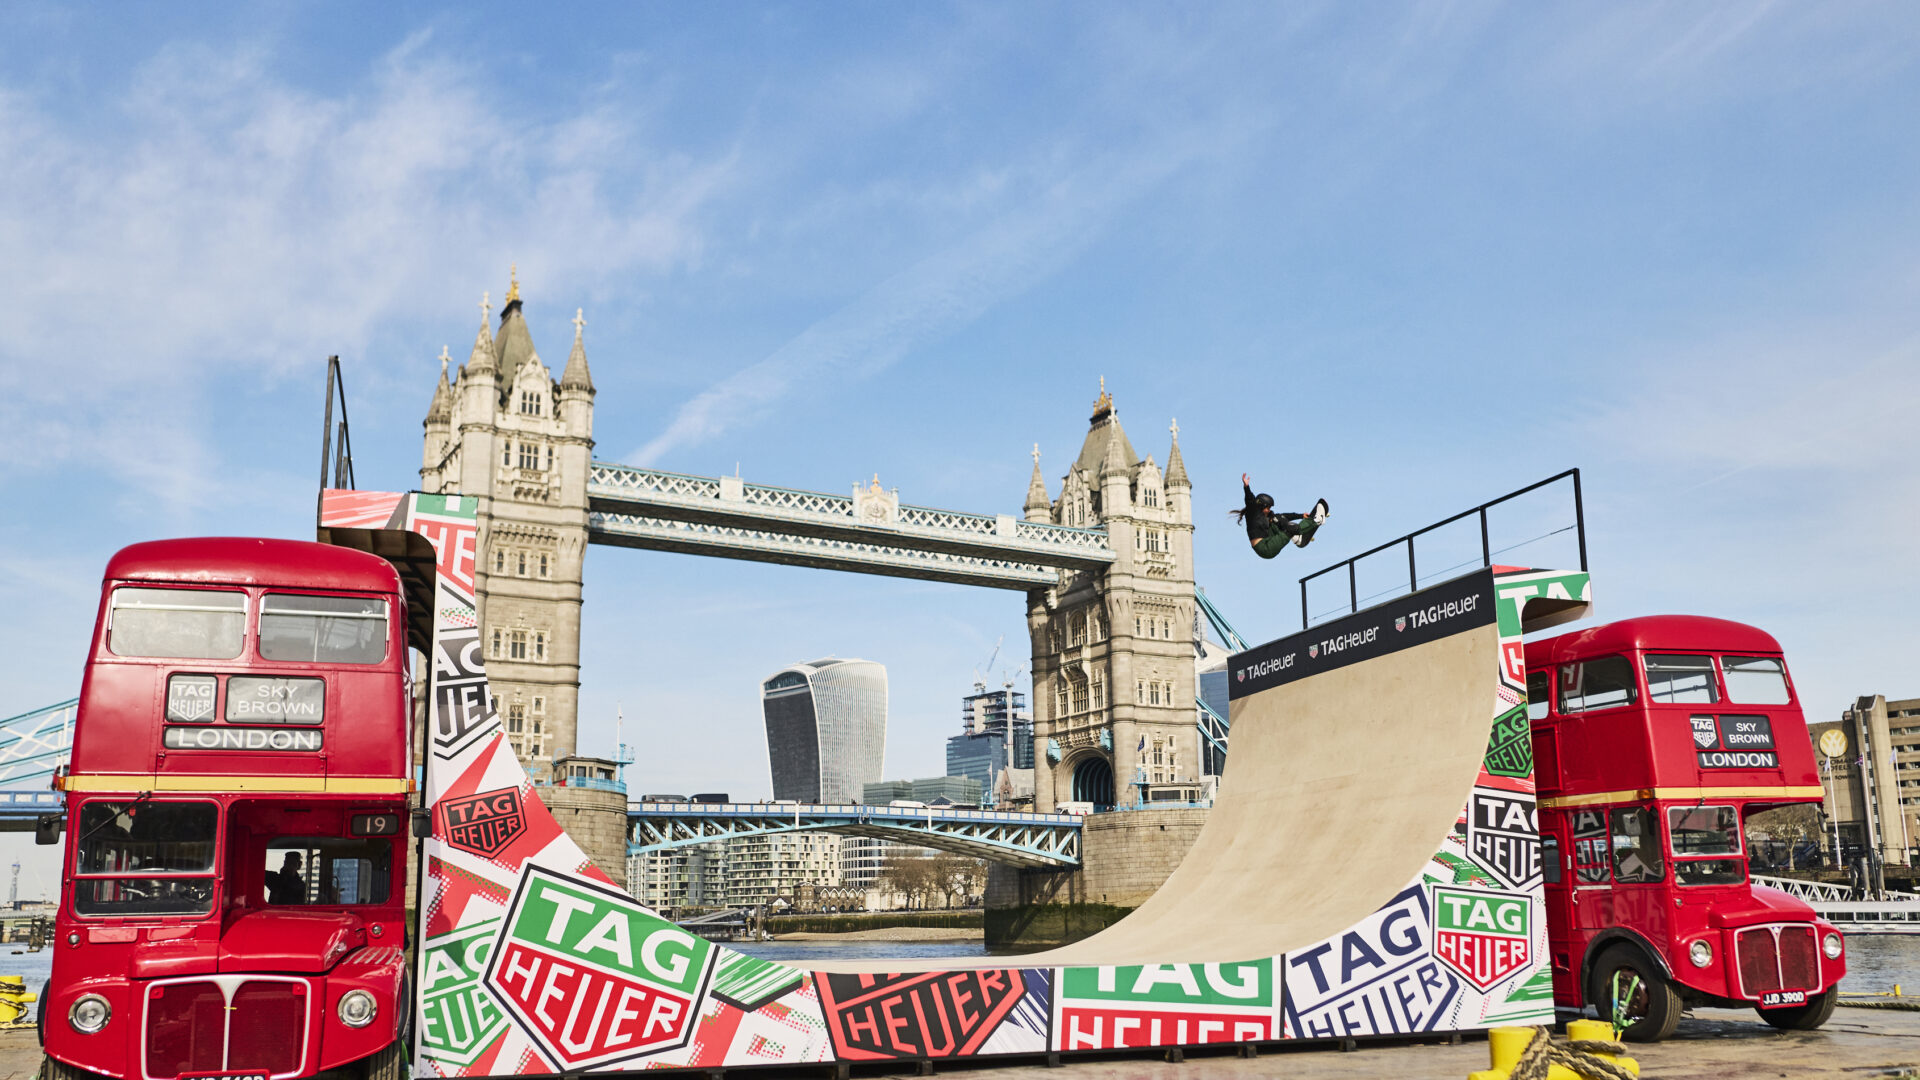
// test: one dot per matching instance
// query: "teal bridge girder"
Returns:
(1043, 841)
(868, 531)
(32, 745)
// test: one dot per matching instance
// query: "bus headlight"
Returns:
(1832, 946)
(89, 1014)
(1701, 953)
(357, 1009)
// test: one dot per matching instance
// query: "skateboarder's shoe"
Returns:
(1308, 526)
(1320, 512)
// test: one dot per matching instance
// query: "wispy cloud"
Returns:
(1045, 229)
(224, 221)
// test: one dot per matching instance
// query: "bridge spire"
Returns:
(1176, 467)
(576, 376)
(441, 411)
(482, 358)
(1038, 507)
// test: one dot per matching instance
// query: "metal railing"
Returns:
(1486, 547)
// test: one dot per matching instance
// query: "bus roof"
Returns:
(1659, 633)
(238, 560)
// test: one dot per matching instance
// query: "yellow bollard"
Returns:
(1505, 1045)
(14, 999)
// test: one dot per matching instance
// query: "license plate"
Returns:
(226, 1076)
(1783, 997)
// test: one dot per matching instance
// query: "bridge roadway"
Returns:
(869, 531)
(1050, 841)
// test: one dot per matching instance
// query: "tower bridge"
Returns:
(1103, 556)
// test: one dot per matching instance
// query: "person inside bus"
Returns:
(1268, 531)
(287, 886)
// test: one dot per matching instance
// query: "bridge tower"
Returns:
(505, 430)
(1113, 652)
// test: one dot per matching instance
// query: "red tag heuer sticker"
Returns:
(591, 976)
(1485, 936)
(485, 823)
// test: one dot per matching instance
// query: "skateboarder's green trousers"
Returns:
(1282, 535)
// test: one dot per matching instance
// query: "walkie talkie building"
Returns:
(826, 729)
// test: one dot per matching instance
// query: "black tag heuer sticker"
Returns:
(1510, 747)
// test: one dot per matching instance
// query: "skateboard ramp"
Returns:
(1371, 867)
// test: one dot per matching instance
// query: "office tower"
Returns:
(826, 729)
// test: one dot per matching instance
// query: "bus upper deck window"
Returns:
(182, 624)
(323, 629)
(1755, 680)
(1681, 679)
(1604, 683)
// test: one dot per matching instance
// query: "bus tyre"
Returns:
(1817, 1011)
(1654, 1006)
(388, 1064)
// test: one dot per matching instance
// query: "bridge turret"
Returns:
(1113, 672)
(439, 429)
(1179, 488)
(522, 443)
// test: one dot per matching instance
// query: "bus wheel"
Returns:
(1651, 1004)
(388, 1064)
(1817, 1011)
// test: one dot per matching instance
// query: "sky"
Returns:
(1406, 258)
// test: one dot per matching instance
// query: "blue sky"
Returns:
(1403, 257)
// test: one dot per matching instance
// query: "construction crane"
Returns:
(980, 684)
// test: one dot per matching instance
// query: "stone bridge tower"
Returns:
(1113, 652)
(504, 430)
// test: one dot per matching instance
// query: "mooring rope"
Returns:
(1580, 1055)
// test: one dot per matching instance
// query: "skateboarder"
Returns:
(1267, 531)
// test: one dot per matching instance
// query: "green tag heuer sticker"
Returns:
(1484, 935)
(1510, 747)
(591, 976)
(458, 1018)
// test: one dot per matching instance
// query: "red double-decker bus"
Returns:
(233, 896)
(1654, 740)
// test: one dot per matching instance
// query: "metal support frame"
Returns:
(1228, 635)
(337, 457)
(1049, 841)
(33, 745)
(1486, 546)
(1213, 727)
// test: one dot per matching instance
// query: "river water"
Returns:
(1875, 962)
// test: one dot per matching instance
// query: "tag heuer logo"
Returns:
(593, 977)
(1400, 623)
(1706, 732)
(1503, 836)
(1240, 676)
(485, 823)
(1485, 936)
(1313, 651)
(458, 1018)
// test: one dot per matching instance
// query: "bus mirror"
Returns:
(46, 829)
(422, 823)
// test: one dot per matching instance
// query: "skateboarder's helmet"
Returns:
(1263, 501)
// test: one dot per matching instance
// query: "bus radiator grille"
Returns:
(1759, 961)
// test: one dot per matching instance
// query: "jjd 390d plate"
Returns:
(1783, 997)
